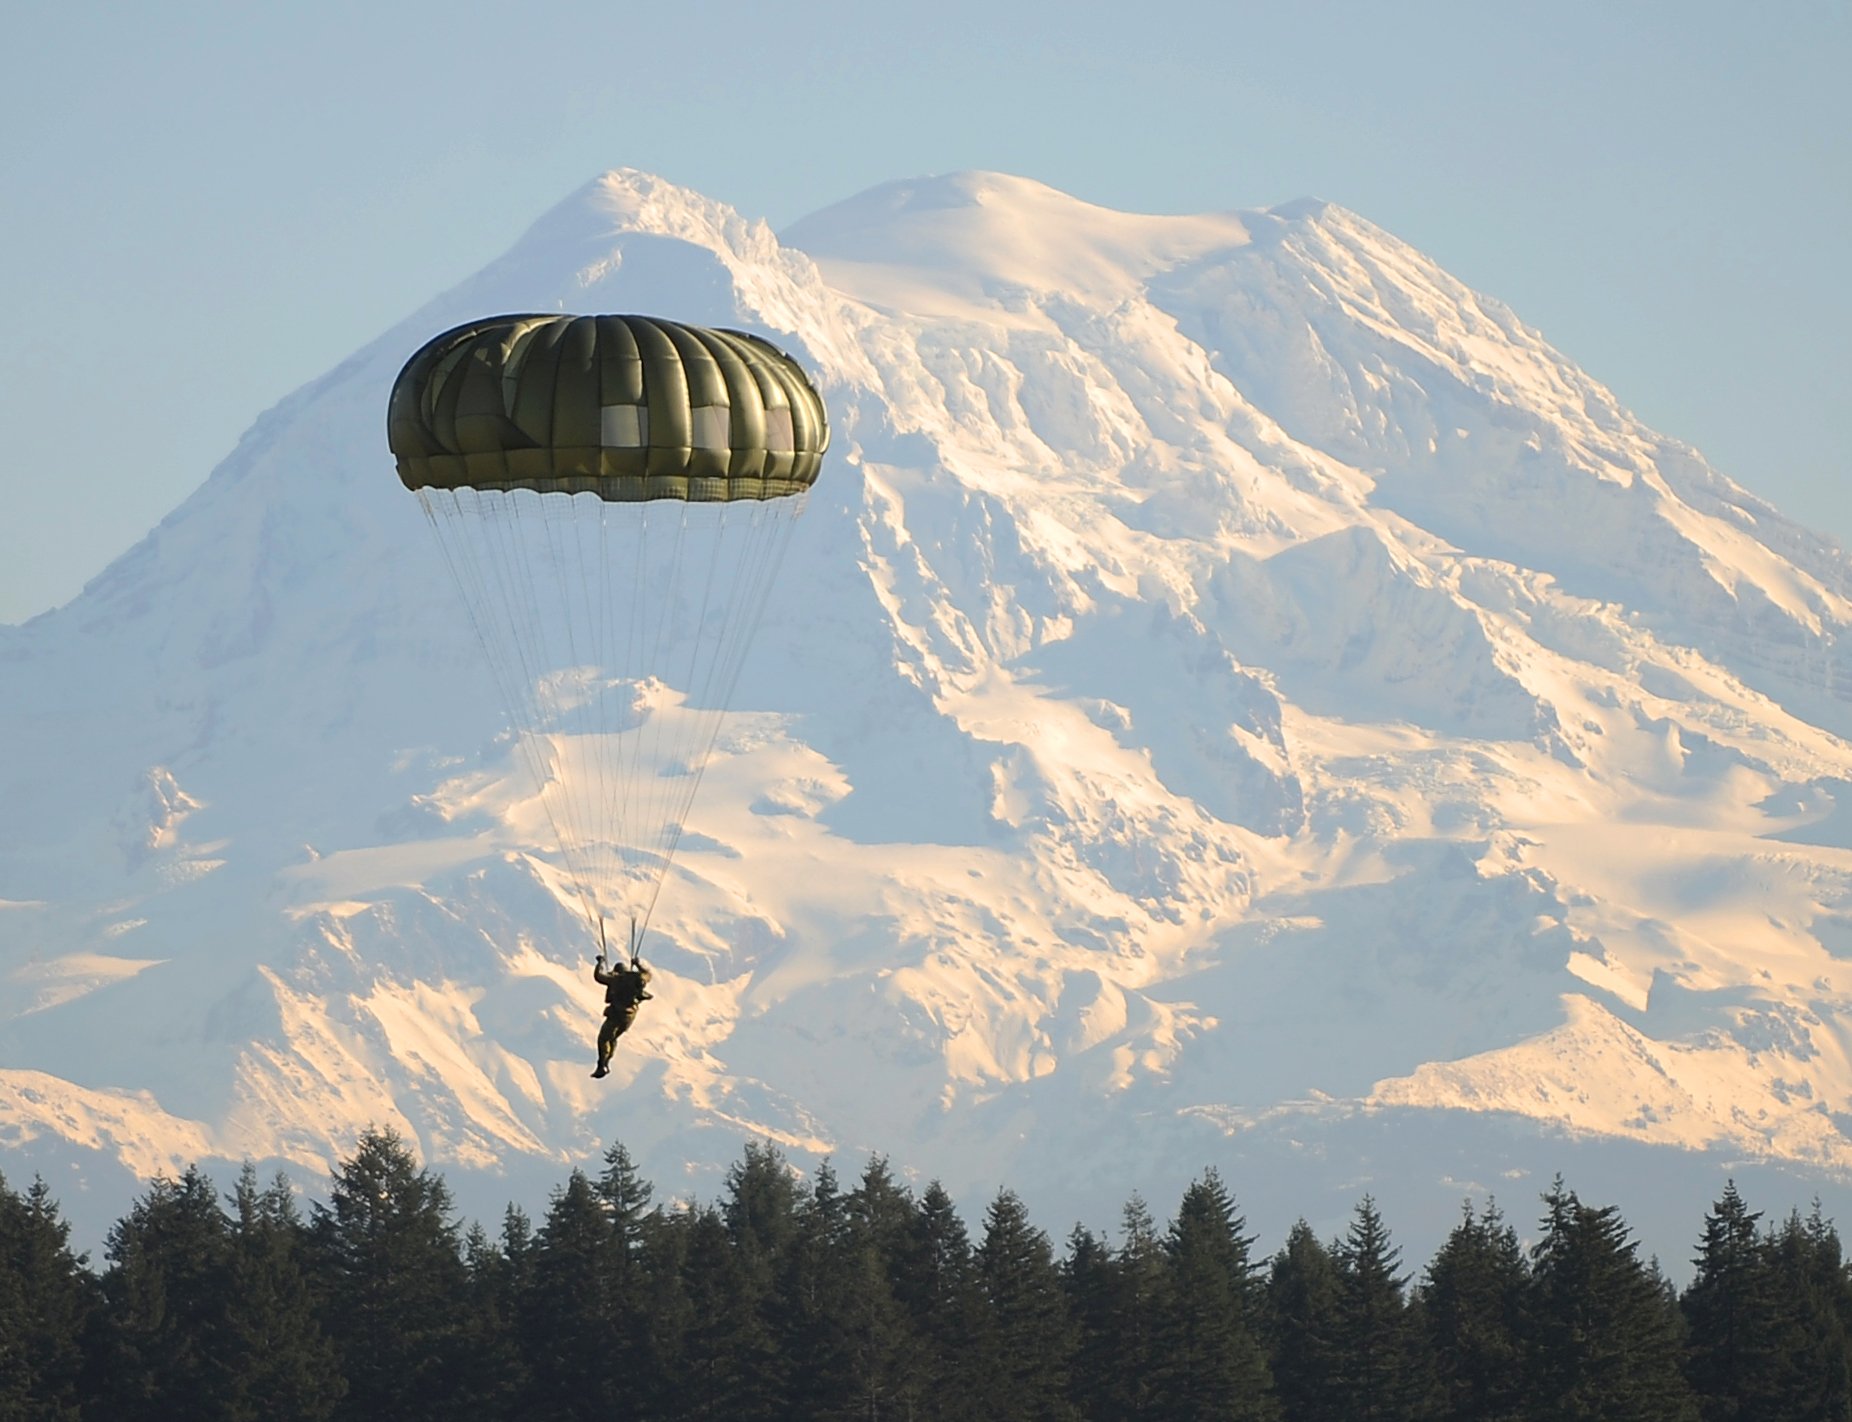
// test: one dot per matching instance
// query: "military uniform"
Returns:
(625, 989)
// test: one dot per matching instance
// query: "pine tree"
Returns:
(659, 1284)
(1303, 1312)
(1379, 1363)
(280, 1362)
(47, 1299)
(819, 1302)
(627, 1194)
(15, 1365)
(1731, 1313)
(1210, 1361)
(1141, 1287)
(1808, 1275)
(761, 1214)
(726, 1353)
(166, 1338)
(1473, 1308)
(945, 1305)
(580, 1334)
(1089, 1279)
(1605, 1339)
(496, 1378)
(887, 1355)
(391, 1288)
(1029, 1338)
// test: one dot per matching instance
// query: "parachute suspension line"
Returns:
(467, 566)
(770, 526)
(604, 674)
(668, 730)
(767, 536)
(670, 619)
(557, 693)
(529, 614)
(697, 695)
(464, 554)
(501, 518)
(703, 549)
(629, 754)
(570, 681)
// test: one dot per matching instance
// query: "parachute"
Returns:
(613, 496)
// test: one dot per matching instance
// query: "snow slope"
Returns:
(1234, 687)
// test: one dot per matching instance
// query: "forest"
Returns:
(795, 1297)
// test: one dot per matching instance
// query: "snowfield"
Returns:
(1236, 696)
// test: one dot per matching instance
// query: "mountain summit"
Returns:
(1235, 693)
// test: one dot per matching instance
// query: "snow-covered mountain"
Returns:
(1236, 697)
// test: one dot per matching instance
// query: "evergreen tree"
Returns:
(392, 1291)
(496, 1379)
(1029, 1338)
(1089, 1279)
(281, 1363)
(1732, 1316)
(760, 1210)
(1210, 1361)
(1379, 1361)
(1141, 1287)
(1473, 1308)
(819, 1305)
(15, 1365)
(1807, 1274)
(945, 1304)
(1303, 1312)
(761, 1215)
(725, 1353)
(887, 1357)
(627, 1195)
(165, 1335)
(581, 1336)
(661, 1290)
(1605, 1339)
(47, 1298)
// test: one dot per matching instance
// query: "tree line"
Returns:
(793, 1297)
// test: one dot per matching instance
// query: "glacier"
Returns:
(1237, 697)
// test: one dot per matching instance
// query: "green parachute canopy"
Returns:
(629, 408)
(613, 496)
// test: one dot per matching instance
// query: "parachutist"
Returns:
(625, 989)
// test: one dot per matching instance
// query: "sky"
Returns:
(209, 205)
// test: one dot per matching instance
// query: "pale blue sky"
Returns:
(207, 205)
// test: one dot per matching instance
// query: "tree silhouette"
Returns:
(166, 1338)
(1379, 1366)
(394, 1294)
(1473, 1308)
(1605, 1339)
(47, 1299)
(1209, 1361)
(280, 1361)
(1304, 1321)
(1028, 1338)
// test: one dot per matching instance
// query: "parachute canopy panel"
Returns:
(629, 408)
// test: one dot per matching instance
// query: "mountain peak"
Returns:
(1300, 209)
(973, 237)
